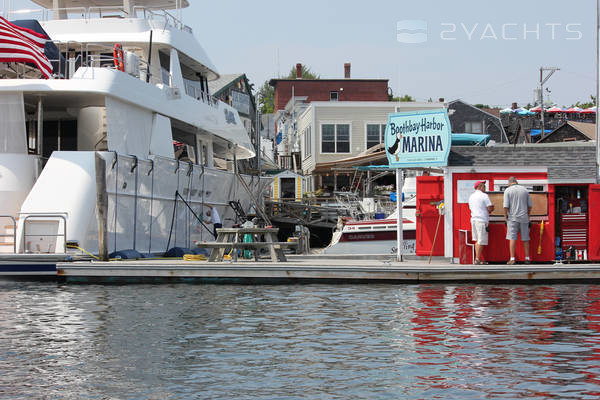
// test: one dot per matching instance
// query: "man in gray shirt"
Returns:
(517, 206)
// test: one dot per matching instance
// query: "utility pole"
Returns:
(543, 80)
(597, 89)
(257, 133)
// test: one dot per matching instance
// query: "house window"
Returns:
(307, 142)
(335, 138)
(375, 134)
(474, 127)
(342, 138)
(333, 96)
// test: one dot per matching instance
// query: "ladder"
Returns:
(356, 180)
(10, 232)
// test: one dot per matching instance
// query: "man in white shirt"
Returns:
(481, 207)
(214, 219)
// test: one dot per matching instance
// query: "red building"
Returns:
(346, 89)
(561, 178)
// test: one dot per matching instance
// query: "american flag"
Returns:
(19, 44)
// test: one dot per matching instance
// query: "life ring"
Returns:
(118, 57)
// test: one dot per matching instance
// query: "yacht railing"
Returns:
(156, 14)
(98, 55)
(46, 217)
(200, 95)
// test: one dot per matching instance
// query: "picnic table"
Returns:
(233, 238)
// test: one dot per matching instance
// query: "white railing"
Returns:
(200, 95)
(45, 217)
(156, 14)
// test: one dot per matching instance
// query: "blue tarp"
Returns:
(535, 132)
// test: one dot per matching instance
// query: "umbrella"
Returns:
(573, 110)
(591, 110)
(555, 110)
(507, 111)
(524, 111)
(536, 109)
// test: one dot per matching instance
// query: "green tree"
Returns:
(481, 105)
(589, 104)
(266, 93)
(406, 97)
(307, 73)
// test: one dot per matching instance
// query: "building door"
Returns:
(288, 188)
(430, 223)
(593, 226)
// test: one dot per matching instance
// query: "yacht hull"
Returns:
(152, 205)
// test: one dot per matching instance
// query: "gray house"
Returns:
(466, 118)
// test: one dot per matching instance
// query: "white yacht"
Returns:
(92, 148)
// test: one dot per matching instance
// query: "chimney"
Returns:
(441, 100)
(347, 71)
(298, 71)
(514, 106)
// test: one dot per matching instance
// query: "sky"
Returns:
(482, 51)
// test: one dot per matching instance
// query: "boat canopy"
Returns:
(469, 139)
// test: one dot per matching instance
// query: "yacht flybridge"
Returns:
(129, 87)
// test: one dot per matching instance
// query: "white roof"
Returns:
(159, 4)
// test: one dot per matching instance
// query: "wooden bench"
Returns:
(232, 238)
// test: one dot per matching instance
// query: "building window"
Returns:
(307, 141)
(333, 96)
(375, 134)
(335, 138)
(474, 127)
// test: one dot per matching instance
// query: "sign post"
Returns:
(415, 140)
(400, 220)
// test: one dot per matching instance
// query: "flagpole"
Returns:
(597, 90)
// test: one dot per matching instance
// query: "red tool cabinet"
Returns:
(574, 231)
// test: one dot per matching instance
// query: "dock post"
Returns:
(101, 206)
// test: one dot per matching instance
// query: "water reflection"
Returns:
(310, 341)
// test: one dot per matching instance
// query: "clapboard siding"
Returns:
(357, 117)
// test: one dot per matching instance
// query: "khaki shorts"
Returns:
(479, 232)
(514, 227)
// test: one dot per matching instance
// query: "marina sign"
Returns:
(418, 139)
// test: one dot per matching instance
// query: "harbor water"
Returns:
(317, 341)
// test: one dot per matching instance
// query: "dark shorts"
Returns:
(215, 227)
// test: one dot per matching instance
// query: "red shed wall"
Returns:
(497, 250)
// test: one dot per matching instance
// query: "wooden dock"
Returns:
(314, 269)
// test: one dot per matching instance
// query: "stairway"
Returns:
(7, 240)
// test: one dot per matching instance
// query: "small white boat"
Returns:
(376, 236)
